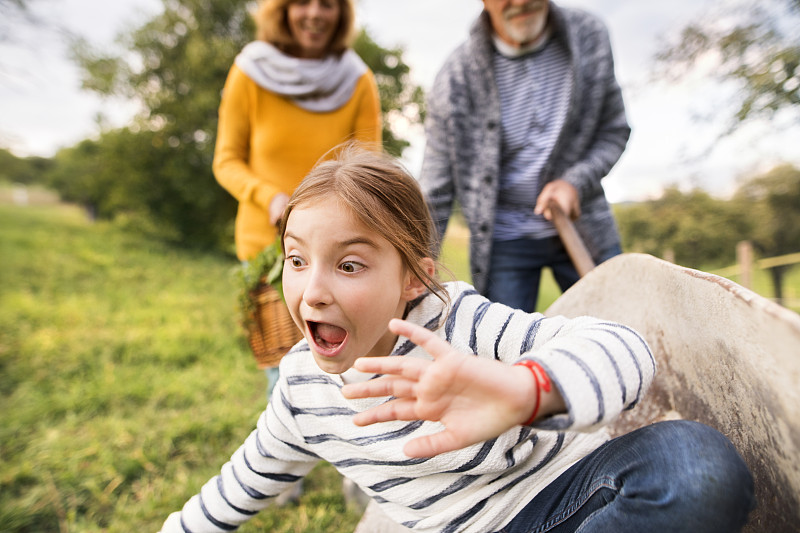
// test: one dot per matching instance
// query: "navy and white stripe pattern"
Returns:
(534, 94)
(601, 368)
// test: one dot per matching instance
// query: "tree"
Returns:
(175, 66)
(401, 100)
(14, 13)
(22, 170)
(702, 231)
(89, 174)
(773, 199)
(752, 44)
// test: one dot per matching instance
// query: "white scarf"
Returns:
(318, 85)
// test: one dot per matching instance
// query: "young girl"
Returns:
(482, 419)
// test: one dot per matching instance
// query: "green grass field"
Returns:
(125, 381)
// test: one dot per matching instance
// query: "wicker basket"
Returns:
(271, 331)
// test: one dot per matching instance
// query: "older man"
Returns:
(526, 111)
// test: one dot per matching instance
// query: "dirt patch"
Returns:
(24, 195)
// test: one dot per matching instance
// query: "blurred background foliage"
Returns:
(752, 46)
(158, 168)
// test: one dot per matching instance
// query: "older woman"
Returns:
(291, 96)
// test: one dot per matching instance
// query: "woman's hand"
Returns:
(276, 207)
(475, 399)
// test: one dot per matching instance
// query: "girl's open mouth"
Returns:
(327, 337)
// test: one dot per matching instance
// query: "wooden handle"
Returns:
(572, 241)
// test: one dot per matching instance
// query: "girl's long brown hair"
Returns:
(384, 197)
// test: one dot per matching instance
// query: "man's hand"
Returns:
(475, 399)
(564, 193)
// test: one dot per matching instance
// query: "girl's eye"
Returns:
(295, 261)
(351, 267)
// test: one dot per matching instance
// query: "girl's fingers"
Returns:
(420, 336)
(410, 367)
(431, 445)
(383, 386)
(399, 409)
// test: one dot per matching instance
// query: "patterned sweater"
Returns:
(600, 368)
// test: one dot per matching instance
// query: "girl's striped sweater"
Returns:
(600, 367)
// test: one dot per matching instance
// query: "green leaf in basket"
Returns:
(266, 266)
(274, 274)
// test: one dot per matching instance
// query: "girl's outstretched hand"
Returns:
(475, 399)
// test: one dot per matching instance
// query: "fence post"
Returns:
(744, 256)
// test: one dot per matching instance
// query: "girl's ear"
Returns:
(414, 286)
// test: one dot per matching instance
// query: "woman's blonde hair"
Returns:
(383, 196)
(272, 26)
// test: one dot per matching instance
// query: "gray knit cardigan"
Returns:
(462, 153)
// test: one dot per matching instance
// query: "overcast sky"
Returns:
(42, 107)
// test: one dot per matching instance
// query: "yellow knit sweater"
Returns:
(266, 144)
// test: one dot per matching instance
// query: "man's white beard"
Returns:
(531, 30)
(526, 34)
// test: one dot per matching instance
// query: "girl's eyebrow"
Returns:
(359, 240)
(290, 235)
(348, 242)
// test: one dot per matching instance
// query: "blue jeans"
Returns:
(516, 267)
(665, 477)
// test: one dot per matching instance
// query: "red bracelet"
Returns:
(542, 382)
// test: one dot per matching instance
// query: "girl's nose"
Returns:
(317, 290)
